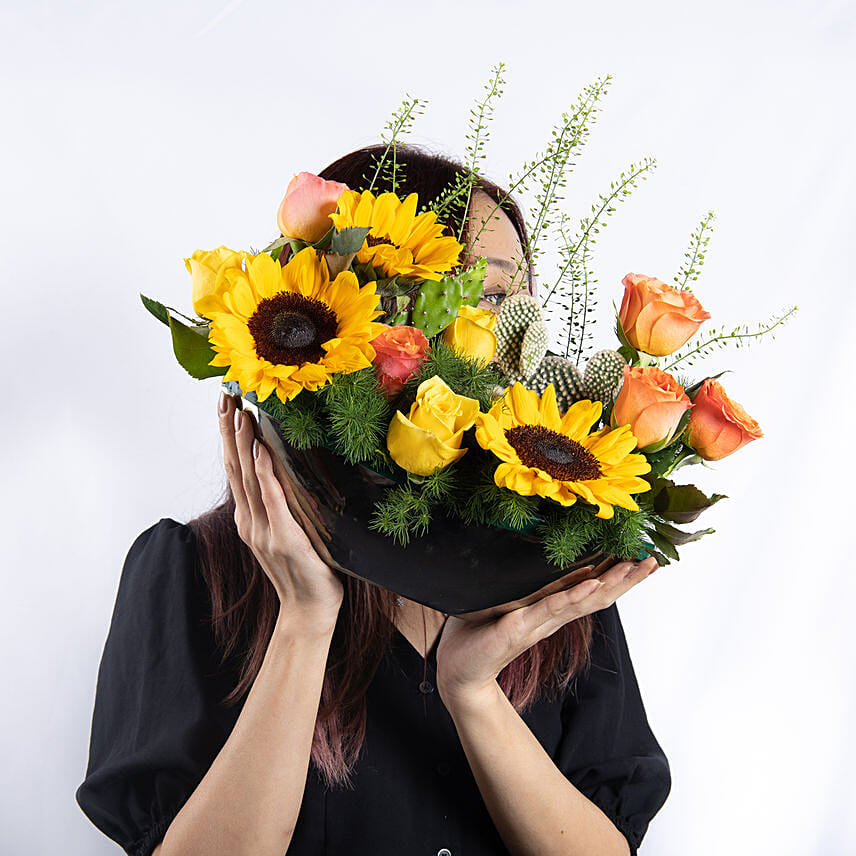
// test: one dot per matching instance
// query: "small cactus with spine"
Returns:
(565, 377)
(436, 305)
(603, 374)
(521, 336)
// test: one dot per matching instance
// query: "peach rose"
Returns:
(719, 426)
(656, 318)
(652, 403)
(305, 210)
(399, 352)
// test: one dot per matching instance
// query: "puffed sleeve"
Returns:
(156, 724)
(607, 749)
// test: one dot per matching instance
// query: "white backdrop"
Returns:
(135, 133)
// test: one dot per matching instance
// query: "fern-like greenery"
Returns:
(741, 335)
(694, 256)
(357, 413)
(567, 534)
(404, 513)
(387, 168)
(489, 503)
(624, 535)
(465, 376)
(299, 419)
(574, 285)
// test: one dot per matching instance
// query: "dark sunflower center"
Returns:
(374, 240)
(560, 456)
(289, 329)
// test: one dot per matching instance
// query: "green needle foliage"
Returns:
(568, 534)
(404, 513)
(489, 503)
(299, 419)
(624, 535)
(465, 376)
(357, 413)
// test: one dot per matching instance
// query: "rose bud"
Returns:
(471, 333)
(719, 426)
(399, 352)
(652, 403)
(430, 435)
(656, 318)
(305, 210)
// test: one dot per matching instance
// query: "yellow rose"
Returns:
(430, 435)
(207, 268)
(471, 333)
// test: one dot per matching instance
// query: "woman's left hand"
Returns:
(471, 654)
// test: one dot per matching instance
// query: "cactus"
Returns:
(436, 305)
(517, 313)
(565, 377)
(472, 283)
(603, 374)
(533, 348)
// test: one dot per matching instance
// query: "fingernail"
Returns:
(255, 448)
(239, 417)
(222, 403)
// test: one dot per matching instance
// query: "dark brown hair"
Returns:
(244, 605)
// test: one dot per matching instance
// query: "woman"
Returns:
(318, 713)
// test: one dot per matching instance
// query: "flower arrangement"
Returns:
(360, 330)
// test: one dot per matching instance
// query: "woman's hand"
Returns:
(471, 654)
(306, 585)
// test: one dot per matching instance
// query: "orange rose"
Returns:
(656, 318)
(305, 210)
(400, 350)
(652, 403)
(719, 426)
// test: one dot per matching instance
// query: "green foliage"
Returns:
(574, 289)
(624, 535)
(404, 513)
(357, 413)
(193, 351)
(387, 170)
(741, 335)
(466, 377)
(567, 534)
(299, 419)
(488, 503)
(694, 256)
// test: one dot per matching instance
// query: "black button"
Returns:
(444, 768)
(426, 687)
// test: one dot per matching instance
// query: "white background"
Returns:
(134, 133)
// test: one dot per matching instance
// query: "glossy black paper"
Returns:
(454, 567)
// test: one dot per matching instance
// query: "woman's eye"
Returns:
(494, 297)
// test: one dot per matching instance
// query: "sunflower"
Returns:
(290, 328)
(555, 456)
(400, 241)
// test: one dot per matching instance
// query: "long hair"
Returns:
(244, 604)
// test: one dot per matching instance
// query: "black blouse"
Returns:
(158, 725)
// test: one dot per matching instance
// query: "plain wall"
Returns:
(135, 133)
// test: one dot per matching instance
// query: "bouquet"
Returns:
(359, 335)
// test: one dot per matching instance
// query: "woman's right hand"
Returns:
(308, 587)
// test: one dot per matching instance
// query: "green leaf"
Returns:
(678, 536)
(192, 350)
(156, 308)
(665, 546)
(682, 503)
(348, 240)
(323, 242)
